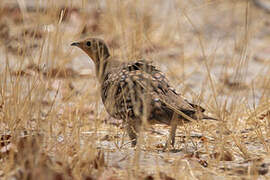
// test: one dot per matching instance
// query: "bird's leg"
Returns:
(171, 139)
(132, 134)
(133, 128)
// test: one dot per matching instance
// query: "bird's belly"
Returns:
(120, 102)
(124, 102)
(118, 110)
(112, 110)
(117, 107)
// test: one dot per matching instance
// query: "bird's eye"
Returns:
(88, 43)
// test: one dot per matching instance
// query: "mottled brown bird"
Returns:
(138, 90)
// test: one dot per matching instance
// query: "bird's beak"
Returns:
(75, 44)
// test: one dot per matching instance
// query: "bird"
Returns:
(138, 91)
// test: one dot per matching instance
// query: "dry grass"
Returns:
(53, 124)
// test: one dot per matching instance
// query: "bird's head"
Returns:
(97, 50)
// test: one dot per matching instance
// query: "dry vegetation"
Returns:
(53, 124)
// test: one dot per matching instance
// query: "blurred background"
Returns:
(53, 123)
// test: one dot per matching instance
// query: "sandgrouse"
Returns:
(138, 90)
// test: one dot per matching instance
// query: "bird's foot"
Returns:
(133, 142)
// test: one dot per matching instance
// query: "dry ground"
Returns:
(53, 124)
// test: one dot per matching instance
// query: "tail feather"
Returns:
(209, 118)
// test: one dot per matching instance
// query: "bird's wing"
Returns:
(156, 85)
(133, 84)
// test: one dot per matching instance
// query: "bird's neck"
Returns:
(105, 67)
(101, 68)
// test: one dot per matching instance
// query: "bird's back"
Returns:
(134, 90)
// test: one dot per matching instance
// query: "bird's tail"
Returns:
(209, 118)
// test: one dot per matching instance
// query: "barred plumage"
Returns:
(137, 90)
